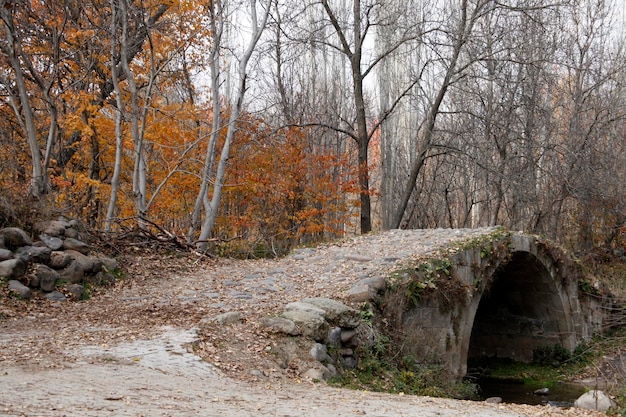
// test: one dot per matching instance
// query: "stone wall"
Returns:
(55, 262)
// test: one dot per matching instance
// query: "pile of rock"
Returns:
(333, 329)
(57, 263)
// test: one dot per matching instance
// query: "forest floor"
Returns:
(133, 349)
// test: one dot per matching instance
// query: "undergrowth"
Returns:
(381, 369)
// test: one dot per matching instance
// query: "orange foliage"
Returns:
(282, 191)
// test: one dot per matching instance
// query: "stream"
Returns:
(560, 395)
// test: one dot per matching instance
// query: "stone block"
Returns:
(310, 324)
(280, 325)
(337, 313)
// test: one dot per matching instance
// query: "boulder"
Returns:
(76, 245)
(347, 335)
(73, 273)
(59, 260)
(337, 313)
(72, 233)
(319, 352)
(5, 254)
(493, 400)
(89, 264)
(110, 264)
(19, 289)
(594, 400)
(47, 277)
(32, 281)
(76, 290)
(101, 278)
(299, 305)
(360, 294)
(319, 373)
(310, 324)
(34, 254)
(378, 284)
(280, 325)
(54, 243)
(12, 268)
(15, 238)
(55, 228)
(56, 296)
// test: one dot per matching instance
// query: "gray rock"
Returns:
(225, 319)
(34, 254)
(56, 296)
(12, 268)
(319, 352)
(349, 362)
(334, 336)
(101, 278)
(310, 324)
(89, 264)
(59, 260)
(280, 325)
(47, 277)
(5, 254)
(360, 293)
(336, 312)
(20, 289)
(32, 281)
(299, 305)
(493, 400)
(110, 264)
(542, 391)
(73, 273)
(53, 228)
(15, 237)
(319, 373)
(72, 233)
(347, 335)
(594, 400)
(54, 243)
(314, 374)
(76, 290)
(376, 283)
(76, 245)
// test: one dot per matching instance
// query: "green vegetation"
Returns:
(380, 369)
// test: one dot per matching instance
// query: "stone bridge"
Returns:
(496, 295)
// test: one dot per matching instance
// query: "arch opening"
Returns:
(521, 311)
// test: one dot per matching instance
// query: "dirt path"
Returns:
(160, 378)
(126, 351)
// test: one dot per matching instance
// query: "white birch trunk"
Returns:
(236, 107)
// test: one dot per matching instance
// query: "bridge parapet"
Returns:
(500, 295)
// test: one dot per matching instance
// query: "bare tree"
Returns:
(258, 24)
(465, 18)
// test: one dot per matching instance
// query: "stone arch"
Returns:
(513, 304)
(526, 302)
(522, 309)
